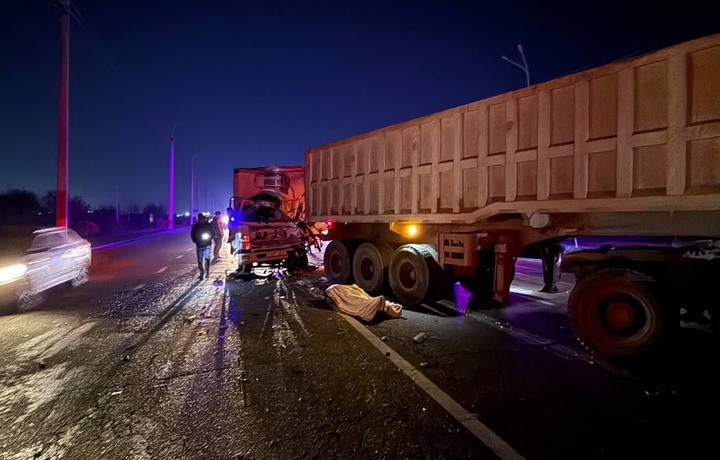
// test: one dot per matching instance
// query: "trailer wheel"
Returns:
(415, 275)
(370, 265)
(617, 313)
(338, 263)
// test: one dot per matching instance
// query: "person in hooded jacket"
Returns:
(201, 234)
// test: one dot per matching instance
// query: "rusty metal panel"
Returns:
(562, 126)
(704, 85)
(651, 97)
(603, 107)
(528, 122)
(561, 177)
(429, 142)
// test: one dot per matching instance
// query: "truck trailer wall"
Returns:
(639, 134)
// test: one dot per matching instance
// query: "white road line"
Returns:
(469, 421)
(161, 270)
(139, 286)
(179, 256)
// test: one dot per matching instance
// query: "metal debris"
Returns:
(421, 337)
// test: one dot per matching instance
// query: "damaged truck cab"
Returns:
(262, 221)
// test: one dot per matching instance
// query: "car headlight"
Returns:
(12, 273)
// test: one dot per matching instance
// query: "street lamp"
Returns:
(524, 66)
(192, 185)
(171, 210)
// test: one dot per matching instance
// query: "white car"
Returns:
(35, 260)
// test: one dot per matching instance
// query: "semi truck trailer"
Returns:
(630, 150)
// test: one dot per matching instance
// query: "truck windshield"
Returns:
(255, 213)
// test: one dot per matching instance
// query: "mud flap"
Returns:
(504, 270)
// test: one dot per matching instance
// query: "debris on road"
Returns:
(201, 332)
(190, 319)
(41, 364)
(384, 338)
(115, 393)
(420, 338)
(353, 300)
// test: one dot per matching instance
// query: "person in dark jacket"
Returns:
(217, 235)
(201, 234)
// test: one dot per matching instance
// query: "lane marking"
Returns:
(179, 256)
(563, 351)
(469, 421)
(161, 270)
(139, 286)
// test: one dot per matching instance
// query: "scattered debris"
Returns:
(384, 338)
(242, 323)
(115, 393)
(201, 332)
(41, 364)
(190, 319)
(126, 358)
(425, 365)
(420, 338)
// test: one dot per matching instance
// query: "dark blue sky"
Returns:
(252, 83)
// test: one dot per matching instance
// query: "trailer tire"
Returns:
(337, 263)
(370, 265)
(415, 275)
(618, 313)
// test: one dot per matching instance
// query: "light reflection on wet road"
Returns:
(163, 366)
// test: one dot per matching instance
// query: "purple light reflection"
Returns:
(462, 297)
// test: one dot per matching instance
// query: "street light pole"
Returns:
(192, 185)
(171, 210)
(61, 196)
(523, 66)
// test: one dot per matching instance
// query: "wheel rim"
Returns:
(367, 268)
(407, 275)
(81, 278)
(620, 314)
(336, 263)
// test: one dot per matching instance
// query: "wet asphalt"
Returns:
(147, 362)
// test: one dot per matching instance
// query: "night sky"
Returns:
(252, 83)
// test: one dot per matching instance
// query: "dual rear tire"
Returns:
(412, 270)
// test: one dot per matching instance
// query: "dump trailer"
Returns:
(263, 214)
(628, 149)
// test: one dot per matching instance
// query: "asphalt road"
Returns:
(146, 362)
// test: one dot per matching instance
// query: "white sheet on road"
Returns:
(352, 300)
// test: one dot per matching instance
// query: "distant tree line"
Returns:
(24, 208)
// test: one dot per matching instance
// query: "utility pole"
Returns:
(117, 204)
(171, 211)
(524, 66)
(61, 198)
(192, 185)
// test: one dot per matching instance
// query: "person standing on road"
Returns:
(218, 233)
(201, 234)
